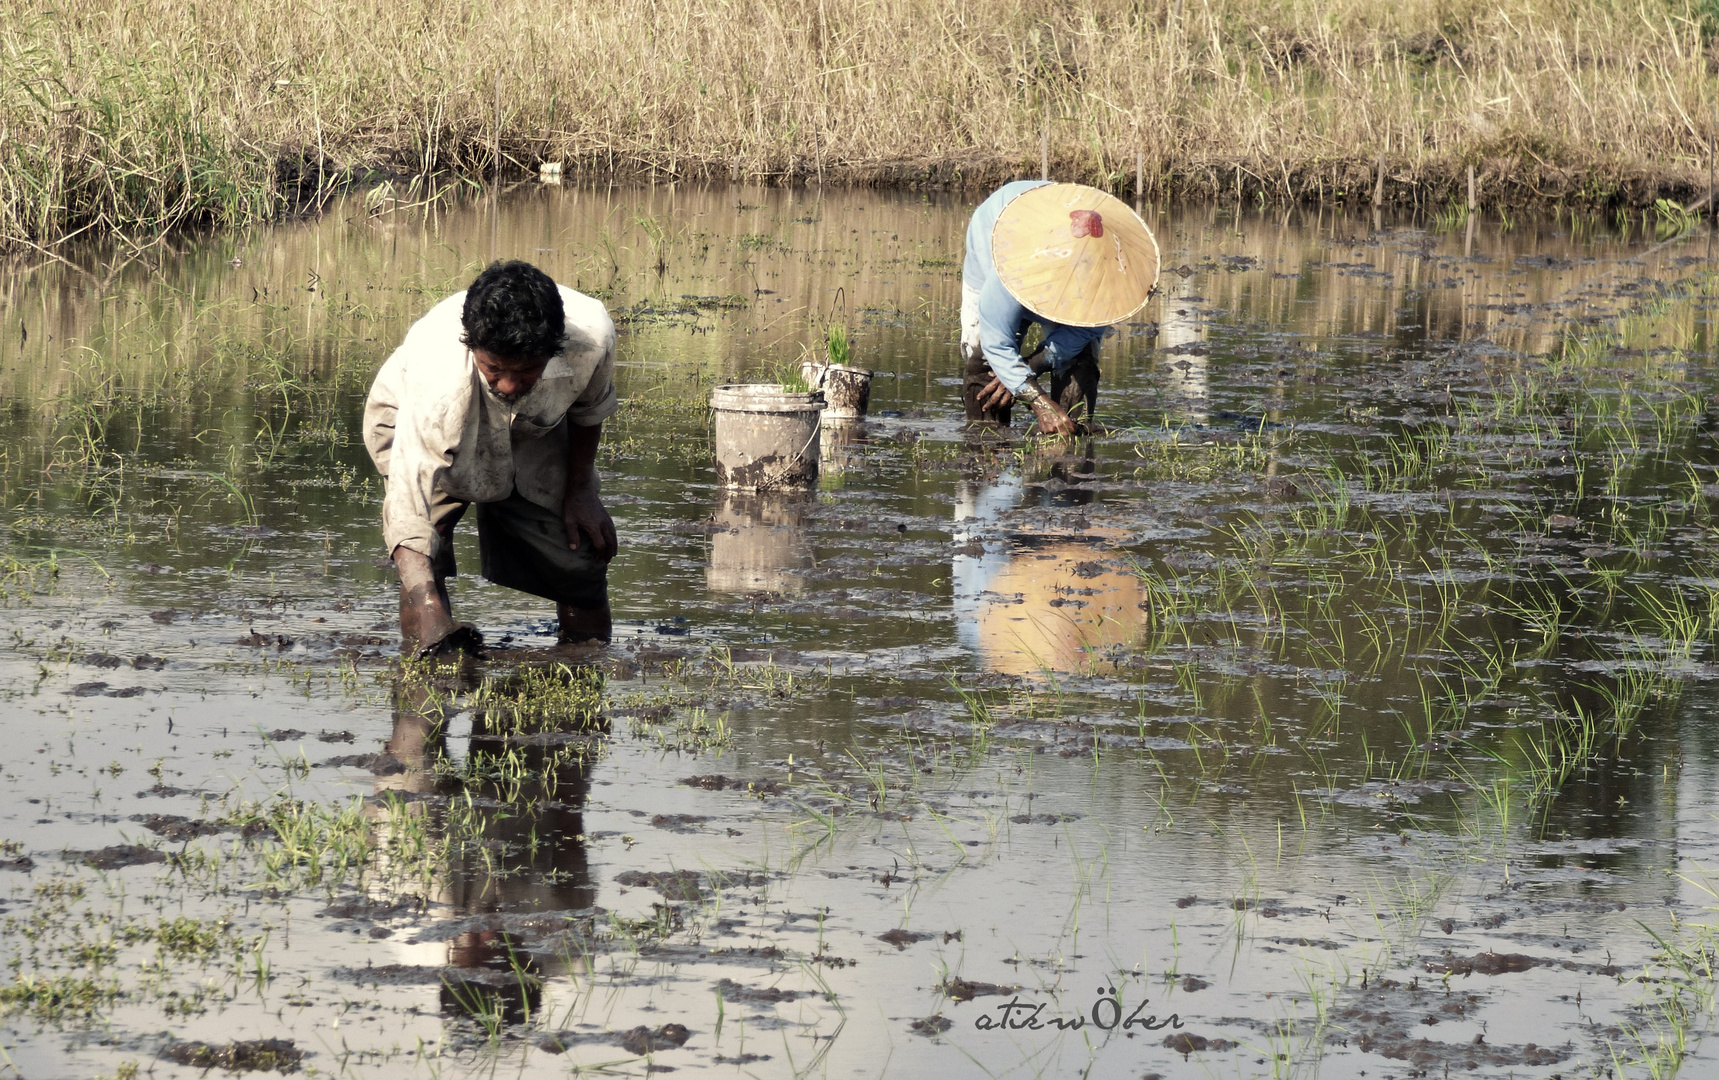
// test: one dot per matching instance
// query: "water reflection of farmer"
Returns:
(519, 847)
(1066, 256)
(497, 397)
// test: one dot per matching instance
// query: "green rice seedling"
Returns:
(537, 699)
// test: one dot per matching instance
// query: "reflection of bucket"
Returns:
(758, 544)
(840, 445)
(766, 437)
(846, 388)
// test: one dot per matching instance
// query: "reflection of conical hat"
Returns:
(1074, 255)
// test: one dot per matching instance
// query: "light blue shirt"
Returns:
(1003, 320)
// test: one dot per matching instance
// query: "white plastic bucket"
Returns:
(766, 437)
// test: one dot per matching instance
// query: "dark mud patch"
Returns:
(248, 1055)
(1386, 1017)
(1185, 1043)
(22, 863)
(1307, 943)
(381, 764)
(718, 782)
(931, 1026)
(254, 640)
(391, 975)
(754, 995)
(960, 989)
(1382, 793)
(1486, 963)
(164, 791)
(174, 827)
(117, 856)
(682, 823)
(140, 662)
(683, 885)
(102, 689)
(642, 1040)
(901, 939)
(364, 907)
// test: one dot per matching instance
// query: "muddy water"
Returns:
(1339, 707)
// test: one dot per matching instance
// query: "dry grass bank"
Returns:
(134, 115)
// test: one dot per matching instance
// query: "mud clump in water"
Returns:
(254, 640)
(175, 827)
(642, 1040)
(1186, 1043)
(673, 884)
(391, 975)
(1486, 963)
(767, 995)
(901, 939)
(250, 1055)
(1378, 1021)
(718, 782)
(101, 689)
(383, 764)
(960, 989)
(685, 823)
(117, 856)
(931, 1026)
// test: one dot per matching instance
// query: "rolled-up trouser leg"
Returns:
(976, 374)
(976, 377)
(1078, 384)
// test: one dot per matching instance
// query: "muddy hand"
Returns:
(424, 616)
(994, 395)
(1052, 419)
(583, 512)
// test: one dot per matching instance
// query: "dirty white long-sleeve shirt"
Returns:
(437, 432)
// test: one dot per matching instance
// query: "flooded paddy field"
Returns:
(1342, 706)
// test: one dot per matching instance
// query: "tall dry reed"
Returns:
(132, 116)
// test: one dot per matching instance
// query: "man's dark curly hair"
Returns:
(513, 311)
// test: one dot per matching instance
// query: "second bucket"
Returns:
(766, 437)
(847, 389)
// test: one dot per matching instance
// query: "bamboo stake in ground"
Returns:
(1044, 149)
(1139, 176)
(1472, 205)
(1379, 184)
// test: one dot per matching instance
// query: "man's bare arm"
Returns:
(582, 509)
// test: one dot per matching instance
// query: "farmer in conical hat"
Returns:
(1068, 257)
(497, 397)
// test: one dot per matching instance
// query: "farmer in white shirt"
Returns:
(1066, 256)
(497, 397)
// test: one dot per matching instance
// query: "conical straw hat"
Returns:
(1074, 255)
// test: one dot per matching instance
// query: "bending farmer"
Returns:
(1066, 256)
(497, 397)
